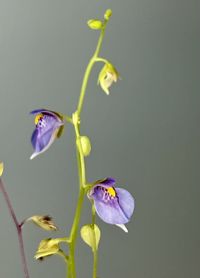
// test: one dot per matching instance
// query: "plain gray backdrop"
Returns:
(146, 134)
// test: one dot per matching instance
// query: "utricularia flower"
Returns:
(107, 76)
(48, 127)
(113, 205)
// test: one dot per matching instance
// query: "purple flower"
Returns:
(113, 205)
(49, 126)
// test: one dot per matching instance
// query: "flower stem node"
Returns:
(75, 118)
(91, 235)
(107, 76)
(1, 168)
(86, 145)
(95, 24)
(45, 222)
(108, 14)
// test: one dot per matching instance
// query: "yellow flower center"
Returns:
(111, 191)
(38, 117)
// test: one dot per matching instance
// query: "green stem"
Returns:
(89, 68)
(73, 234)
(71, 273)
(95, 257)
(103, 60)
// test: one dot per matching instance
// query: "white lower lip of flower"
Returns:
(123, 227)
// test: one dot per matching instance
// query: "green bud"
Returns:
(108, 14)
(86, 145)
(95, 24)
(1, 168)
(91, 235)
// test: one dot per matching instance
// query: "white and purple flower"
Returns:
(48, 126)
(113, 205)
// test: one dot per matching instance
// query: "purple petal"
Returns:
(108, 182)
(45, 133)
(41, 139)
(43, 143)
(110, 212)
(38, 111)
(126, 201)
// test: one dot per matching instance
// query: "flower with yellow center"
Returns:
(114, 205)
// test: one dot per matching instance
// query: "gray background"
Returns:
(145, 134)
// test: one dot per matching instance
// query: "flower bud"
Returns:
(108, 14)
(1, 168)
(107, 76)
(91, 235)
(86, 145)
(94, 24)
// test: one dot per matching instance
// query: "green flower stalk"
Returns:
(80, 154)
(112, 204)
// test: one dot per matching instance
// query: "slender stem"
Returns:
(73, 234)
(89, 68)
(63, 255)
(93, 214)
(71, 273)
(80, 157)
(99, 43)
(10, 208)
(18, 228)
(103, 60)
(95, 257)
(21, 245)
(68, 119)
(95, 260)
